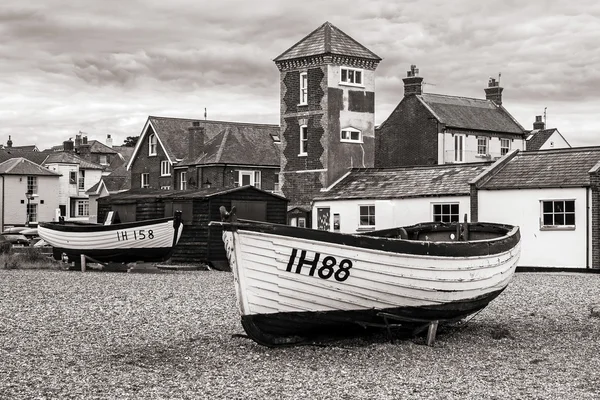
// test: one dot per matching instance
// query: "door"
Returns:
(323, 223)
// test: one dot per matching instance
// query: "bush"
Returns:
(29, 258)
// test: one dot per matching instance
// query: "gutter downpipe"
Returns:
(587, 227)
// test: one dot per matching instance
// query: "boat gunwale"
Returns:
(74, 226)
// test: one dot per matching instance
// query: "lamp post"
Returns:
(29, 196)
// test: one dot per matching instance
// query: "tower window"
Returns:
(303, 140)
(351, 135)
(351, 76)
(304, 88)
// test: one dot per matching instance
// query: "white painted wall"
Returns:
(555, 141)
(12, 192)
(389, 213)
(446, 148)
(540, 248)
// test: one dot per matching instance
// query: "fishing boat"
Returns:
(144, 241)
(296, 283)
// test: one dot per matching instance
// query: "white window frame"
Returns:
(103, 159)
(554, 213)
(32, 212)
(82, 208)
(303, 141)
(459, 148)
(346, 135)
(348, 76)
(81, 180)
(483, 146)
(144, 180)
(182, 180)
(32, 184)
(368, 215)
(255, 178)
(445, 214)
(276, 183)
(504, 146)
(165, 168)
(152, 143)
(303, 88)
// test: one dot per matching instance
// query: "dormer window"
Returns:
(303, 88)
(351, 76)
(351, 135)
(152, 145)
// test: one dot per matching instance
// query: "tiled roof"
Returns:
(22, 166)
(554, 168)
(139, 193)
(469, 113)
(37, 157)
(327, 39)
(538, 138)
(225, 142)
(405, 182)
(99, 147)
(65, 157)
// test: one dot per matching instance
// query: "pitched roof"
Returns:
(554, 168)
(538, 137)
(37, 157)
(174, 136)
(327, 39)
(22, 166)
(241, 144)
(139, 193)
(65, 157)
(99, 147)
(405, 182)
(470, 113)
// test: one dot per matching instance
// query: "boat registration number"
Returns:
(324, 268)
(139, 234)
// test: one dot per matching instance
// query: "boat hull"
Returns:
(145, 241)
(294, 283)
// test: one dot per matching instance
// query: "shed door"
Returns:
(186, 208)
(125, 212)
(254, 210)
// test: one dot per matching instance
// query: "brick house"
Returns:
(182, 154)
(541, 138)
(427, 128)
(327, 98)
(553, 196)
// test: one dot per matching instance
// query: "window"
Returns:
(81, 179)
(72, 177)
(183, 180)
(103, 159)
(447, 212)
(299, 222)
(351, 76)
(32, 186)
(83, 208)
(165, 188)
(459, 148)
(367, 216)
(145, 180)
(351, 135)
(303, 88)
(244, 178)
(276, 183)
(165, 168)
(336, 222)
(482, 146)
(504, 146)
(152, 145)
(303, 140)
(558, 214)
(32, 212)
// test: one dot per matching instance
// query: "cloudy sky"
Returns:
(102, 67)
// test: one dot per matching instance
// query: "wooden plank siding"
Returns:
(198, 242)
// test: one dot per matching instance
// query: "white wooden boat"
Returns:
(150, 240)
(293, 283)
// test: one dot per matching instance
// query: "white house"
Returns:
(377, 198)
(541, 138)
(27, 193)
(552, 197)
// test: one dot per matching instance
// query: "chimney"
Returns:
(412, 82)
(196, 140)
(539, 124)
(77, 140)
(494, 92)
(9, 142)
(68, 145)
(84, 140)
(109, 141)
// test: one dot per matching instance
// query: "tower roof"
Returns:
(327, 39)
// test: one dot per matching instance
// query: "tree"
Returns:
(131, 141)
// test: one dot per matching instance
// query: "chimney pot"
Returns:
(413, 82)
(539, 124)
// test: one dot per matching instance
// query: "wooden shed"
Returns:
(198, 243)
